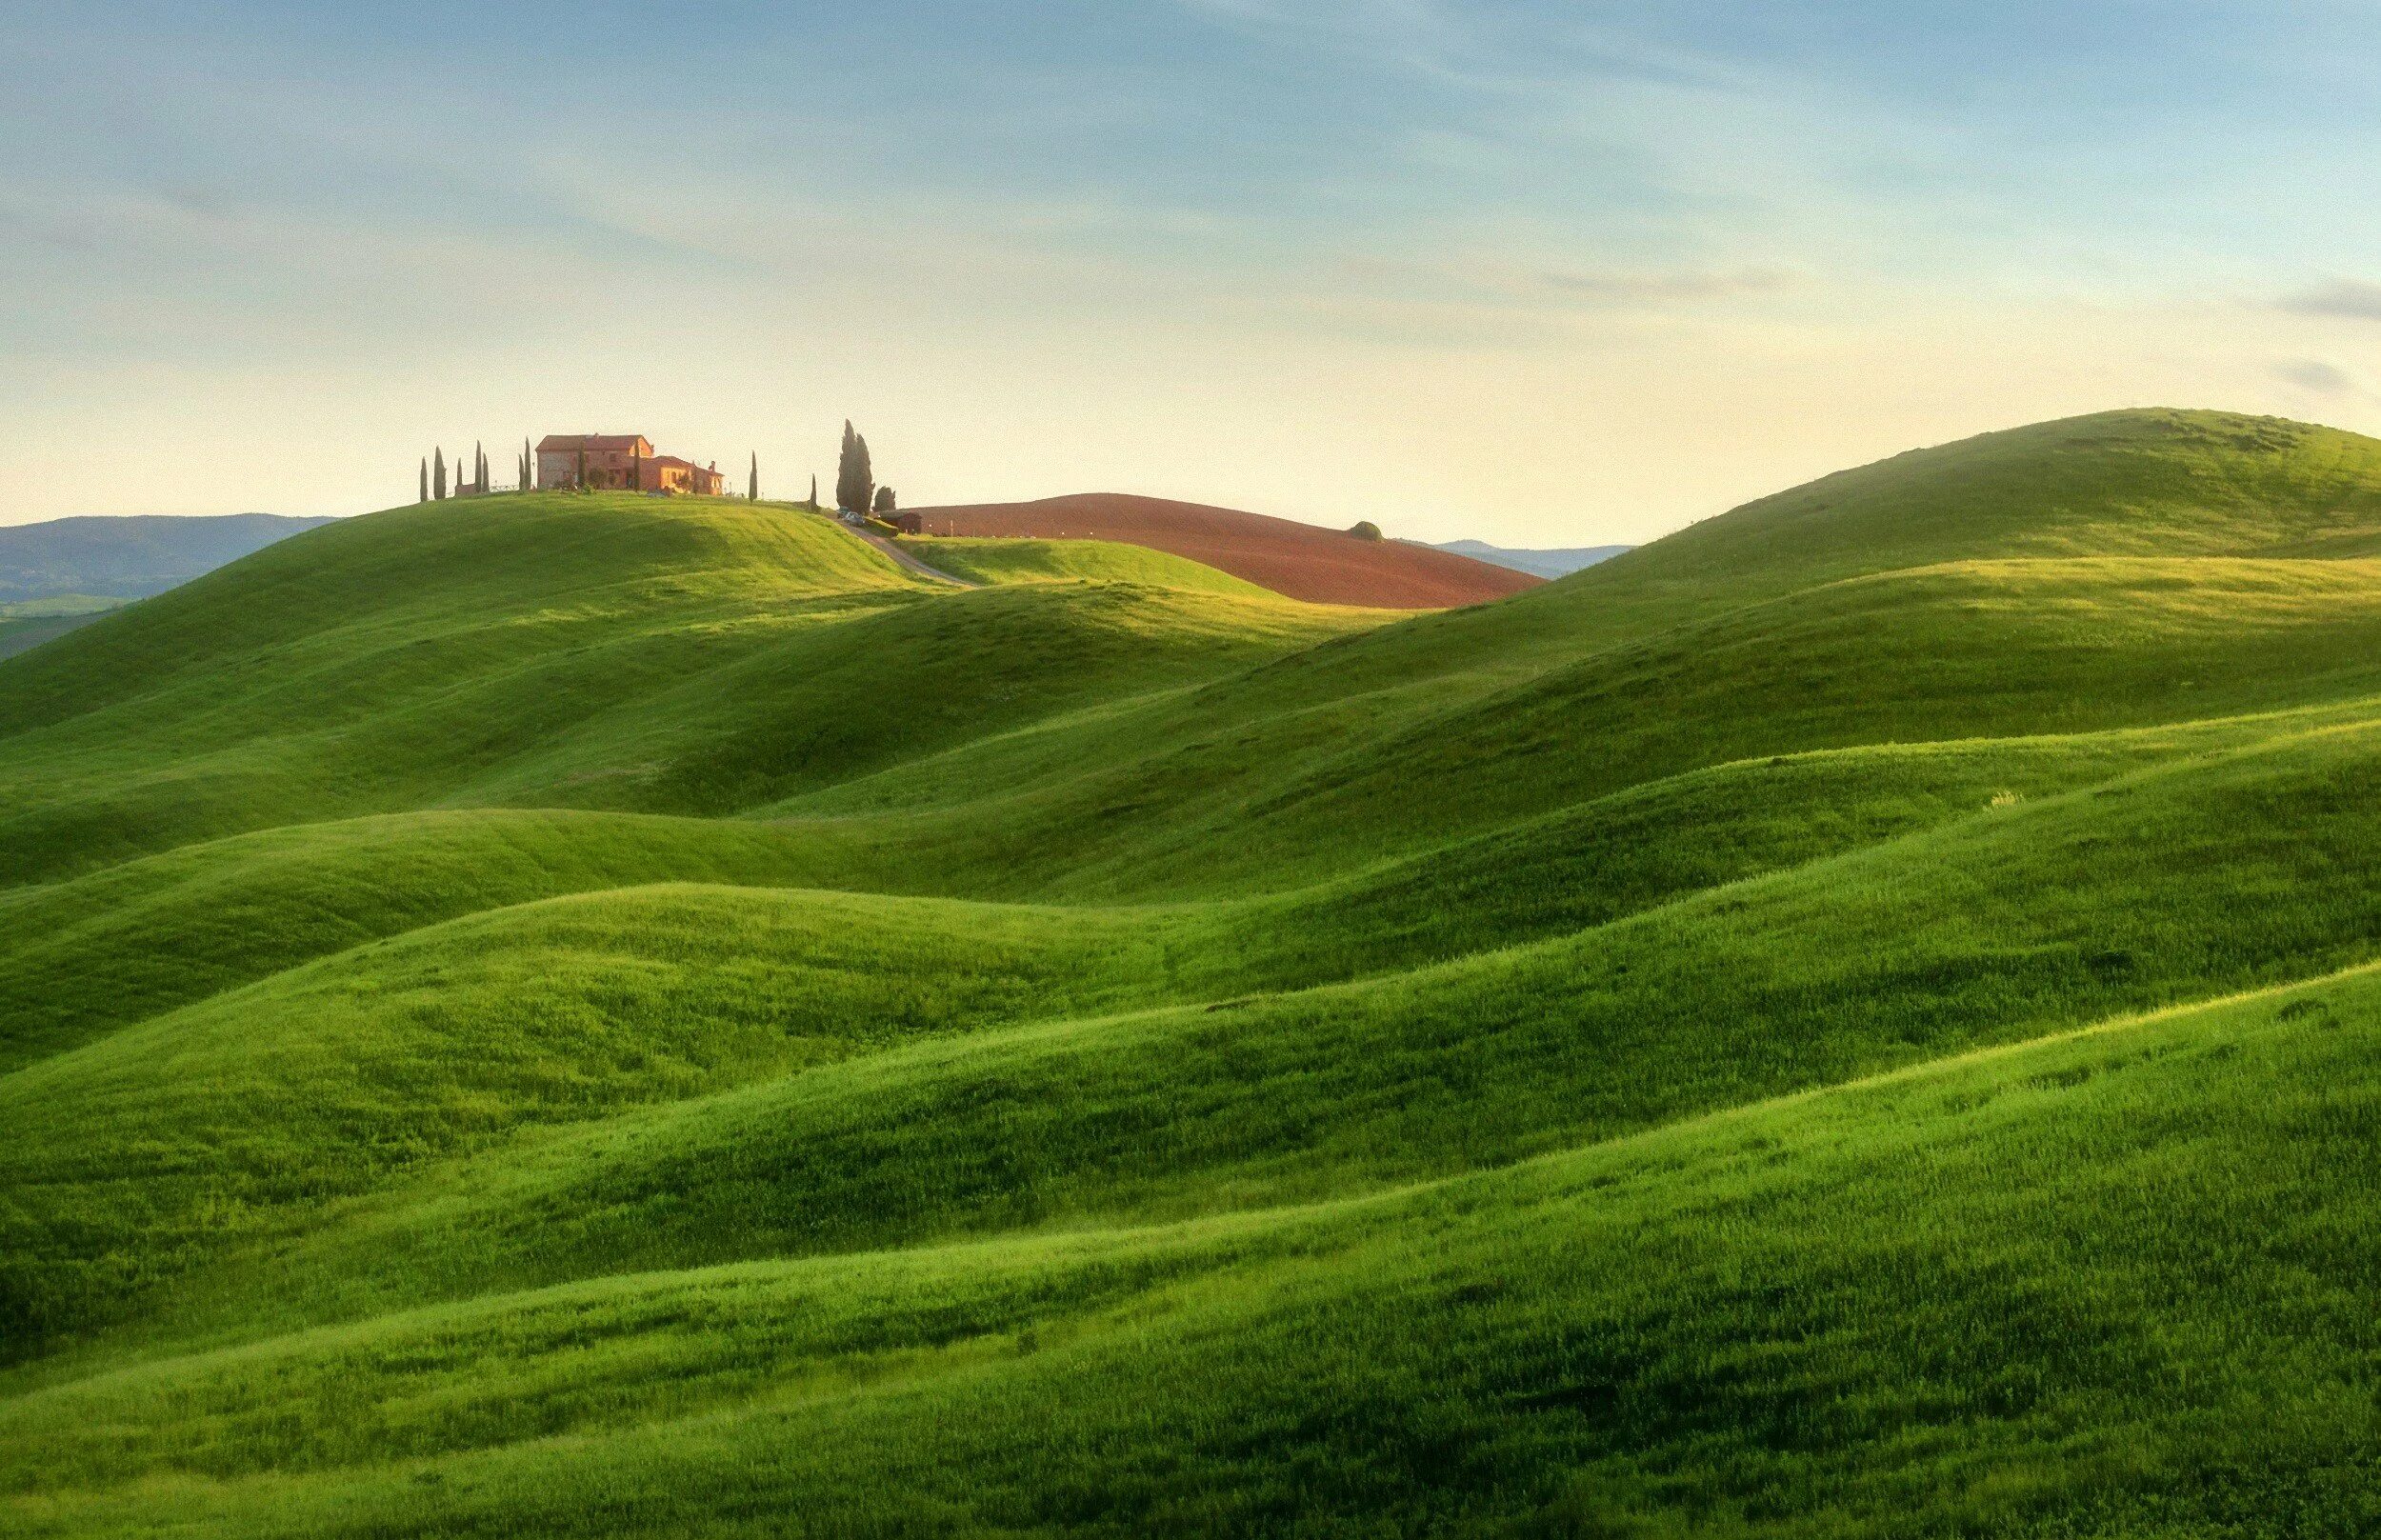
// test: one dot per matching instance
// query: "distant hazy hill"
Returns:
(1554, 563)
(129, 559)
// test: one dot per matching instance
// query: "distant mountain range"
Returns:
(1537, 563)
(131, 558)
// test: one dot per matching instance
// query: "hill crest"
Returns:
(1300, 561)
(2136, 482)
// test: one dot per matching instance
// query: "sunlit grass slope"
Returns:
(1922, 946)
(1250, 782)
(2119, 1278)
(1064, 560)
(611, 649)
(605, 1015)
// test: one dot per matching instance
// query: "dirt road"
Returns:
(894, 549)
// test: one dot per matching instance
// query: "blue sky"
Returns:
(1543, 273)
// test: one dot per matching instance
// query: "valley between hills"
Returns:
(581, 1014)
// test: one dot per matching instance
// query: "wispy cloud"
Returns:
(1185, 222)
(2315, 375)
(1420, 37)
(1547, 286)
(1679, 286)
(2341, 298)
(1496, 51)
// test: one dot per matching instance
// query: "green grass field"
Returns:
(595, 1016)
(1072, 561)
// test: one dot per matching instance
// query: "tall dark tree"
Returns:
(581, 480)
(424, 497)
(813, 492)
(884, 499)
(479, 466)
(854, 479)
(529, 467)
(438, 474)
(752, 483)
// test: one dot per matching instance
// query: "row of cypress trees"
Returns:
(434, 473)
(855, 486)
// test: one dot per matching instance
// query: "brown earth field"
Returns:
(1300, 560)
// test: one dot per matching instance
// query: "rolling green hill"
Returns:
(596, 1015)
(1063, 561)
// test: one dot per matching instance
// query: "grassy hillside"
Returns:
(528, 650)
(1062, 561)
(1303, 561)
(598, 1016)
(2119, 1276)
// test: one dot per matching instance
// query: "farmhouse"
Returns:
(623, 460)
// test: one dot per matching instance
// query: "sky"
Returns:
(1540, 273)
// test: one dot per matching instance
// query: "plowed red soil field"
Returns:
(1300, 560)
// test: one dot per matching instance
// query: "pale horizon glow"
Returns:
(1536, 274)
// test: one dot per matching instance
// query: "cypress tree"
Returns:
(582, 476)
(479, 466)
(753, 485)
(854, 480)
(884, 500)
(438, 474)
(424, 497)
(529, 467)
(813, 492)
